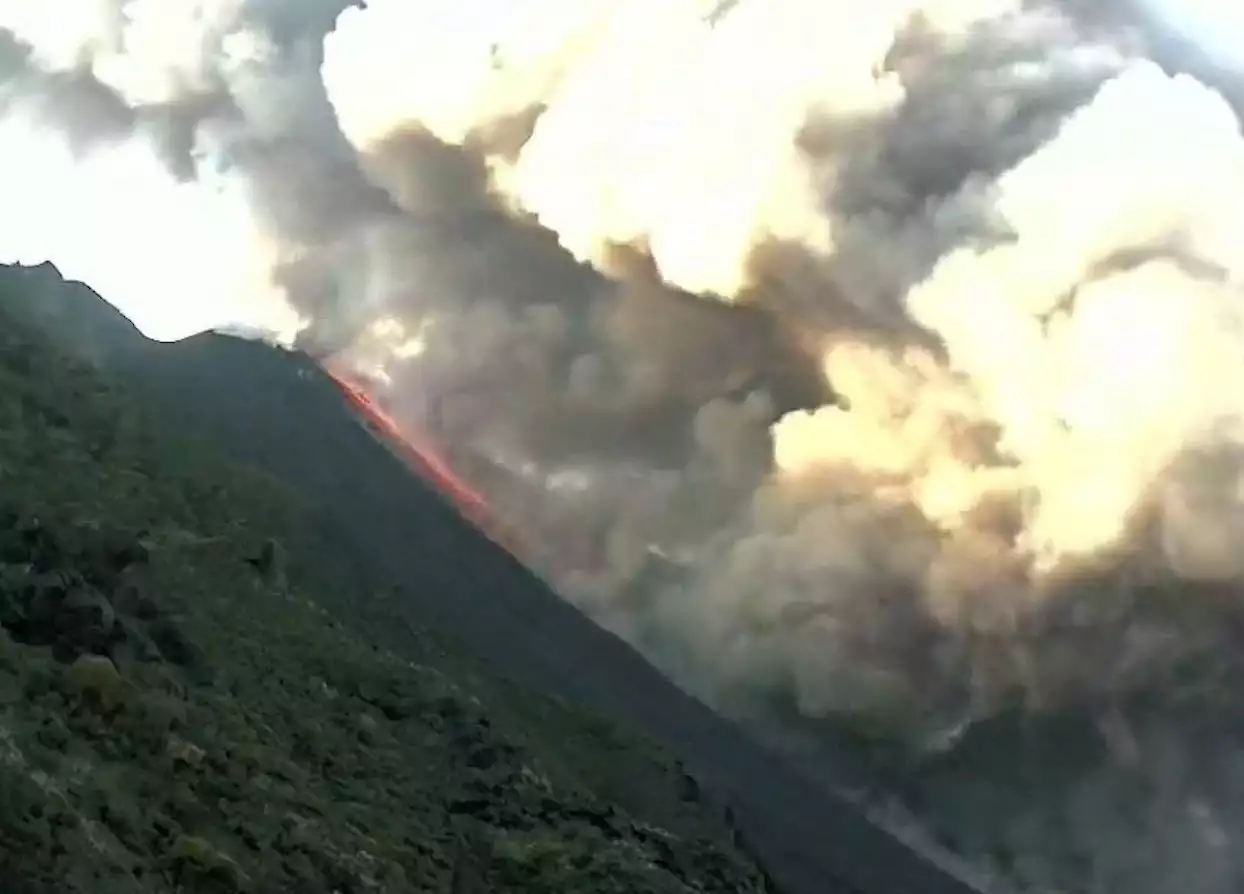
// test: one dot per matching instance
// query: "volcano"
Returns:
(388, 513)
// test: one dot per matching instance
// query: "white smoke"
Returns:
(597, 250)
(151, 57)
(693, 158)
(159, 274)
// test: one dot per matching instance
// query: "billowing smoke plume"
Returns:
(871, 366)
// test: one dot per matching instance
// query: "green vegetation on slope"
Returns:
(181, 710)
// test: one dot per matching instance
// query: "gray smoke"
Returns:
(875, 368)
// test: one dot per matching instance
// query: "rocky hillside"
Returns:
(180, 711)
(304, 543)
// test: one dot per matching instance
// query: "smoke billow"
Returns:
(872, 367)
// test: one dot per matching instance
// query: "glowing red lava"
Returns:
(425, 461)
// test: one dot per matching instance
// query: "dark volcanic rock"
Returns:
(392, 532)
(65, 588)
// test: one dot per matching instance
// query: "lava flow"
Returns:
(426, 461)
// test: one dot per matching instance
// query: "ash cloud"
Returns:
(871, 367)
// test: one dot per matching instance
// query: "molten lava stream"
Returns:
(427, 462)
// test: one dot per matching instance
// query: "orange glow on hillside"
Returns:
(425, 460)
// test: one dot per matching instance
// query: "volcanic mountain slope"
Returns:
(328, 676)
(179, 712)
